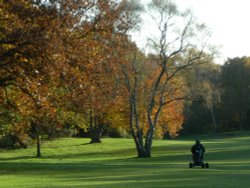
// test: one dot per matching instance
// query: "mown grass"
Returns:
(74, 163)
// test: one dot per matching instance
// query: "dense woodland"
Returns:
(70, 68)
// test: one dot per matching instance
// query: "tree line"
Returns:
(70, 68)
(222, 103)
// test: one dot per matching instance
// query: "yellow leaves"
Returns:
(172, 118)
(23, 59)
(72, 118)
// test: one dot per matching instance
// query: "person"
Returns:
(198, 150)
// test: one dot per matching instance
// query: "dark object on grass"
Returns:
(198, 151)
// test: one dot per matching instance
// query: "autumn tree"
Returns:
(95, 87)
(35, 44)
(12, 130)
(175, 49)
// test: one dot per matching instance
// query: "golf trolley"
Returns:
(198, 160)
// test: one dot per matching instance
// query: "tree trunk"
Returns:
(134, 135)
(144, 151)
(138, 139)
(149, 141)
(96, 129)
(96, 136)
(213, 118)
(141, 151)
(241, 121)
(143, 154)
(38, 142)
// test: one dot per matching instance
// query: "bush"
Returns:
(13, 141)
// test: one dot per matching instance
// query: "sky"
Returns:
(228, 20)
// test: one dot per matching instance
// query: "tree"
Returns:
(203, 82)
(34, 36)
(175, 51)
(211, 90)
(57, 49)
(235, 93)
(197, 116)
(95, 87)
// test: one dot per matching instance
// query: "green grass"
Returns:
(73, 163)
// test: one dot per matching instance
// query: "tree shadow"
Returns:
(18, 158)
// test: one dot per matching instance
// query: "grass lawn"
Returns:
(72, 162)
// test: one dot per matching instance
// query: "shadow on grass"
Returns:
(164, 169)
(116, 173)
(160, 154)
(18, 158)
(142, 180)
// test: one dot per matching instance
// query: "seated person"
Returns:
(198, 150)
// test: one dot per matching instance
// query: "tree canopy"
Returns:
(70, 68)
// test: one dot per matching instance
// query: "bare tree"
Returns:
(180, 43)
